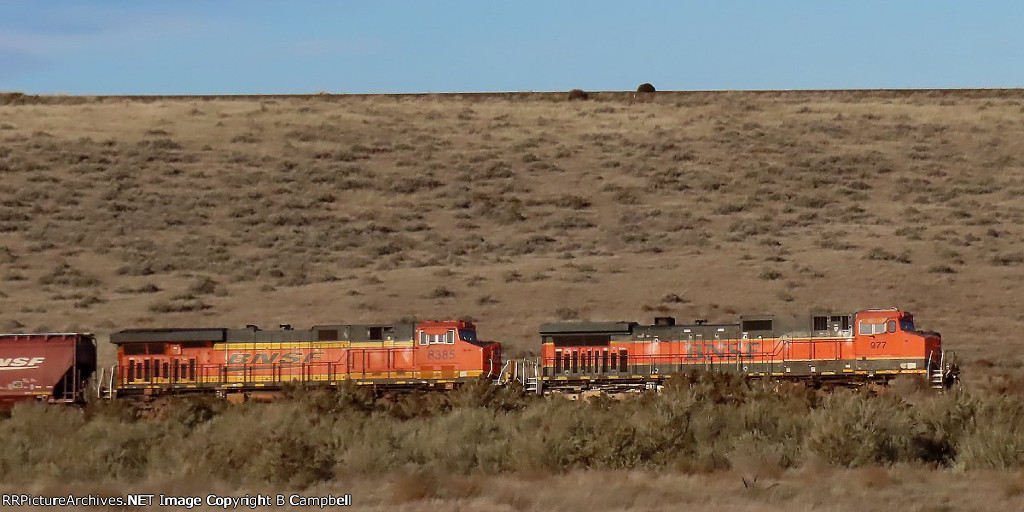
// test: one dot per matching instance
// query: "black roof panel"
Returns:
(587, 328)
(215, 334)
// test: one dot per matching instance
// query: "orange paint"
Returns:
(438, 351)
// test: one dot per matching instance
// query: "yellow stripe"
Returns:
(755, 359)
(299, 345)
(257, 379)
(890, 358)
(887, 372)
(713, 340)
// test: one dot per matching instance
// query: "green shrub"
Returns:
(699, 422)
(993, 436)
(853, 429)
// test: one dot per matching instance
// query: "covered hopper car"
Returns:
(48, 367)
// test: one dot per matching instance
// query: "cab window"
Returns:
(906, 325)
(868, 329)
(865, 328)
(467, 335)
(437, 339)
(891, 325)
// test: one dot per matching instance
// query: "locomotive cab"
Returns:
(891, 334)
(450, 349)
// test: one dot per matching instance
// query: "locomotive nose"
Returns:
(494, 358)
(932, 345)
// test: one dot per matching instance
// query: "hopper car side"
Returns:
(49, 367)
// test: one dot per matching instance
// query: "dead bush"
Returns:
(577, 95)
(179, 305)
(879, 254)
(66, 275)
(204, 286)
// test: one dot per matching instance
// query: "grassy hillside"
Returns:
(515, 210)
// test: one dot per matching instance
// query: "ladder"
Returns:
(936, 379)
(532, 383)
(945, 373)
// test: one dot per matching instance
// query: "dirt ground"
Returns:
(819, 489)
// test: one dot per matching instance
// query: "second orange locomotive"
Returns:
(412, 355)
(870, 346)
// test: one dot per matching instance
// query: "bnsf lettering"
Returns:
(737, 348)
(274, 358)
(264, 358)
(21, 362)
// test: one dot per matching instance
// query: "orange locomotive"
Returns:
(869, 346)
(403, 355)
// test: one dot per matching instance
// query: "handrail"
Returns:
(777, 350)
(525, 371)
(490, 367)
(107, 393)
(501, 373)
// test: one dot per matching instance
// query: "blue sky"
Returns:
(228, 47)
